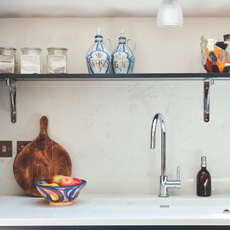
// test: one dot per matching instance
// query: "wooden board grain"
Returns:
(40, 159)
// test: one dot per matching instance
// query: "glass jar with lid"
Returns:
(8, 62)
(57, 60)
(31, 60)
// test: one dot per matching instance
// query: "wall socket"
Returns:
(5, 148)
(21, 144)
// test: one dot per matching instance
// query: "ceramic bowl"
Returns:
(60, 195)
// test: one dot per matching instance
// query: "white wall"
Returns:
(105, 125)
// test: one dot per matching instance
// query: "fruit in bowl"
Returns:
(62, 190)
(57, 178)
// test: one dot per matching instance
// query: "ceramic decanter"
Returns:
(98, 57)
(123, 58)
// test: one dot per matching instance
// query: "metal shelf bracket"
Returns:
(12, 84)
(207, 86)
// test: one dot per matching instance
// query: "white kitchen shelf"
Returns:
(116, 77)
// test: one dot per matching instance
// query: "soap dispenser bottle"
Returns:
(98, 57)
(203, 180)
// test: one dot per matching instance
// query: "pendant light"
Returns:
(170, 14)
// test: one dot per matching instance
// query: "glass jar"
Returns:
(8, 63)
(57, 60)
(31, 60)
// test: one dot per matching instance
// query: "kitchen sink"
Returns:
(161, 206)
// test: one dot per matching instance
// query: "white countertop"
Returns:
(92, 209)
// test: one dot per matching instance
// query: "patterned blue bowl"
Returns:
(60, 195)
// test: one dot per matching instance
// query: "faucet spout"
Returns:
(163, 140)
(164, 182)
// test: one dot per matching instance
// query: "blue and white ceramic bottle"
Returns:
(98, 57)
(123, 58)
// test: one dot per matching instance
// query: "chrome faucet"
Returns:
(164, 182)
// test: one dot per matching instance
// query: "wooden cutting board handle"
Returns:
(43, 125)
(39, 160)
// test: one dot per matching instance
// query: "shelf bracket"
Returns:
(207, 86)
(12, 84)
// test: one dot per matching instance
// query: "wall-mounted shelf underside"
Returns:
(207, 78)
(115, 77)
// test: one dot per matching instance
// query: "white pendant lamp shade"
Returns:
(169, 14)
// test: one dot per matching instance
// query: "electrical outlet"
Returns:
(5, 148)
(21, 144)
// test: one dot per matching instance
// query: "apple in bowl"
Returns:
(57, 179)
(67, 181)
(77, 181)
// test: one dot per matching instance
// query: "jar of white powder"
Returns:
(57, 60)
(31, 60)
(8, 63)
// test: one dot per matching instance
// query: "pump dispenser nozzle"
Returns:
(203, 162)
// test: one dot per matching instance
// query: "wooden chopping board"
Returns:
(40, 159)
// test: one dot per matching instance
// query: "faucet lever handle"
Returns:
(178, 172)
